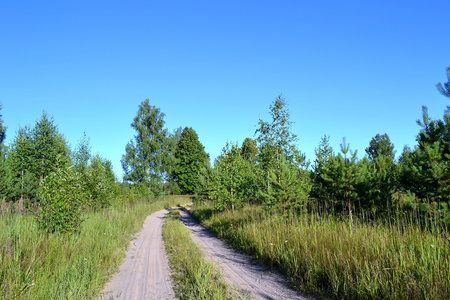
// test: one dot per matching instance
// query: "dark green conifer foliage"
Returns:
(380, 145)
(49, 146)
(33, 155)
(20, 162)
(426, 169)
(249, 150)
(323, 154)
(191, 157)
(445, 88)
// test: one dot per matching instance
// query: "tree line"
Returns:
(40, 172)
(270, 170)
(39, 169)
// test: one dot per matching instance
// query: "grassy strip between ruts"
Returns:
(35, 265)
(194, 278)
(331, 257)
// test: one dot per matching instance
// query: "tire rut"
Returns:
(238, 268)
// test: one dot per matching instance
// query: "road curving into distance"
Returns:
(145, 273)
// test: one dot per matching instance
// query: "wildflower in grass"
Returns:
(432, 246)
(69, 232)
(270, 244)
(285, 241)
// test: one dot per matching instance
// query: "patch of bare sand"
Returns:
(144, 273)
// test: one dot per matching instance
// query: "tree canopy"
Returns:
(190, 157)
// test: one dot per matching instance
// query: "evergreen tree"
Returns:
(50, 148)
(190, 155)
(323, 154)
(276, 145)
(249, 150)
(234, 181)
(82, 155)
(20, 162)
(445, 88)
(426, 169)
(34, 154)
(380, 145)
(145, 159)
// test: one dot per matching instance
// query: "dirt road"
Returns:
(238, 269)
(144, 273)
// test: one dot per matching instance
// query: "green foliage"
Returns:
(61, 202)
(33, 155)
(20, 164)
(380, 145)
(35, 265)
(289, 188)
(324, 256)
(148, 158)
(426, 170)
(49, 147)
(275, 138)
(249, 151)
(191, 157)
(82, 154)
(445, 88)
(98, 183)
(234, 181)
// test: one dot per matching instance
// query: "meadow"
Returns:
(338, 257)
(71, 265)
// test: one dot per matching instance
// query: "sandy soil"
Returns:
(144, 273)
(238, 269)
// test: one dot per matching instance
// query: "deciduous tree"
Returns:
(145, 159)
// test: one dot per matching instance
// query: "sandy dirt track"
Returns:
(144, 273)
(238, 269)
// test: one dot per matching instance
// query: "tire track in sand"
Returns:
(238, 268)
(144, 273)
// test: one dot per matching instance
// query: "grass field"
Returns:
(35, 265)
(323, 255)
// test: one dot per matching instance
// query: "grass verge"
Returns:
(194, 278)
(326, 256)
(35, 265)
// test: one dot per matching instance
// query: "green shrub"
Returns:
(61, 202)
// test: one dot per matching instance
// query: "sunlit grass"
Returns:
(324, 255)
(194, 277)
(35, 265)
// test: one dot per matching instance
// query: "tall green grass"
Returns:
(330, 256)
(194, 277)
(35, 265)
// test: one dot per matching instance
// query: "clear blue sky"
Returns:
(347, 68)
